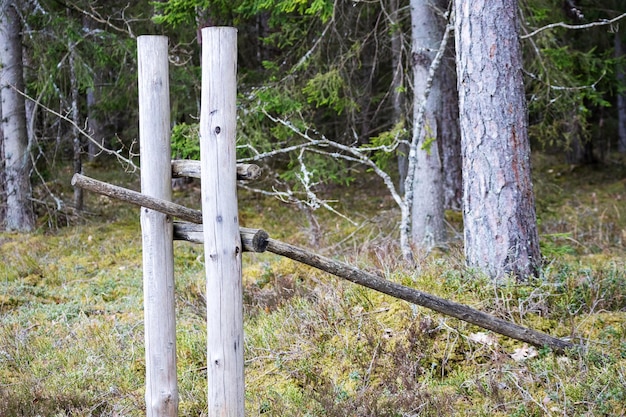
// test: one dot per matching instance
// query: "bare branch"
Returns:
(357, 155)
(96, 16)
(86, 134)
(576, 27)
(308, 53)
(591, 86)
(260, 156)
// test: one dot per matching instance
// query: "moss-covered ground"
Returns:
(71, 324)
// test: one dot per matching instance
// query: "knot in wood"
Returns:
(421, 58)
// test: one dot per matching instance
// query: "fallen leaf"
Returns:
(523, 353)
(482, 338)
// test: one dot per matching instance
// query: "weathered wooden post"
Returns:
(157, 235)
(222, 243)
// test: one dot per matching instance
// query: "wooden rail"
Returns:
(263, 243)
(253, 240)
(192, 169)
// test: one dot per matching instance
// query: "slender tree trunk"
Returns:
(3, 188)
(450, 134)
(17, 163)
(397, 86)
(621, 98)
(498, 202)
(76, 139)
(579, 147)
(94, 122)
(427, 214)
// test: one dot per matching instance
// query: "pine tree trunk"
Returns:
(17, 164)
(427, 214)
(498, 203)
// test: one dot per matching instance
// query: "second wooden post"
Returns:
(222, 244)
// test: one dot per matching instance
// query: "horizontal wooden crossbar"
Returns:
(191, 168)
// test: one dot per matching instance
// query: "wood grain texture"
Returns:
(222, 243)
(191, 168)
(156, 228)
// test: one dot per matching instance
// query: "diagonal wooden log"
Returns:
(136, 198)
(340, 269)
(253, 240)
(441, 305)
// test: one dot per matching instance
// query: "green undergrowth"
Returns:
(71, 328)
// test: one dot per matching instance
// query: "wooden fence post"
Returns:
(222, 243)
(157, 234)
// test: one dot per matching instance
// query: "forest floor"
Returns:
(71, 320)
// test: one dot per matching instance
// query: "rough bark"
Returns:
(498, 202)
(17, 163)
(427, 214)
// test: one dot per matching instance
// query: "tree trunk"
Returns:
(95, 124)
(450, 134)
(579, 147)
(76, 139)
(3, 188)
(498, 203)
(17, 164)
(427, 214)
(621, 97)
(397, 87)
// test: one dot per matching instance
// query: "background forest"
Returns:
(327, 106)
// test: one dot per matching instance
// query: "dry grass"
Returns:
(71, 334)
